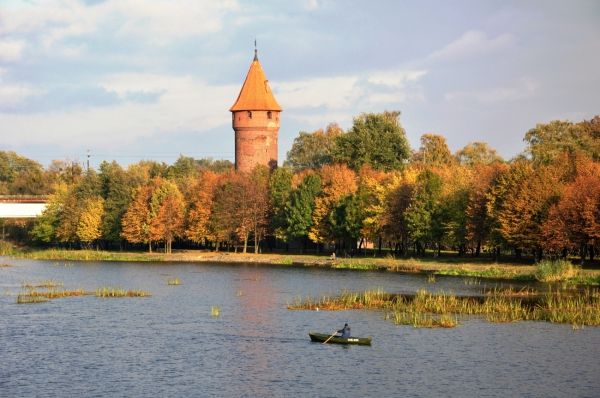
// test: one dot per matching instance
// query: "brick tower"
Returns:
(255, 118)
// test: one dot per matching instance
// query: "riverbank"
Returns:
(446, 265)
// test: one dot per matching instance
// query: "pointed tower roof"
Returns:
(256, 95)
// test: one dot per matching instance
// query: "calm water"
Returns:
(169, 345)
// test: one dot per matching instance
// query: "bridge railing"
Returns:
(24, 198)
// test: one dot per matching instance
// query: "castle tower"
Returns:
(255, 118)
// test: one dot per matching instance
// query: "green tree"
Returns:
(478, 153)
(546, 141)
(280, 188)
(376, 139)
(423, 225)
(299, 209)
(434, 150)
(312, 150)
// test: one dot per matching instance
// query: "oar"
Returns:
(330, 338)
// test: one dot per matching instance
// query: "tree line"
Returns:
(336, 187)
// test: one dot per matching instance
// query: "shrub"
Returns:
(554, 270)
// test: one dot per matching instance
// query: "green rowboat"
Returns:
(321, 338)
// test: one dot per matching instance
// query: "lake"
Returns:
(170, 345)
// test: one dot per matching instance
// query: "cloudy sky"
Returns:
(152, 79)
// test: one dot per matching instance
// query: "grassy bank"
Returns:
(446, 310)
(447, 264)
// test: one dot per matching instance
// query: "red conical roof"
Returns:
(256, 95)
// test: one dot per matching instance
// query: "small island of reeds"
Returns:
(441, 309)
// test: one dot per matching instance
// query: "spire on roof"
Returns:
(255, 51)
(256, 94)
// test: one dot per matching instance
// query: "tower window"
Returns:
(269, 115)
(249, 115)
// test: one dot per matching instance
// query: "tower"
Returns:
(255, 119)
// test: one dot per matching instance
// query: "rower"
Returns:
(345, 332)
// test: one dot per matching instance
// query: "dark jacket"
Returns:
(345, 332)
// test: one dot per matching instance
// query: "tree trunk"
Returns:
(591, 249)
(582, 254)
(518, 254)
(150, 246)
(379, 251)
(478, 250)
(564, 253)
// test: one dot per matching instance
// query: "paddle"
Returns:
(330, 338)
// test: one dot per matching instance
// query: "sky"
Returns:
(154, 79)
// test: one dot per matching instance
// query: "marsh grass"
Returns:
(582, 308)
(431, 278)
(77, 255)
(5, 265)
(490, 272)
(173, 281)
(55, 293)
(239, 293)
(117, 291)
(510, 290)
(6, 248)
(26, 299)
(215, 310)
(472, 281)
(419, 320)
(555, 270)
(285, 261)
(46, 283)
(355, 264)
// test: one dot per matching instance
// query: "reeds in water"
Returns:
(46, 283)
(5, 265)
(110, 291)
(426, 320)
(173, 281)
(26, 299)
(56, 293)
(581, 308)
(510, 290)
(215, 310)
(431, 278)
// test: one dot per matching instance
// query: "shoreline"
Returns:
(446, 265)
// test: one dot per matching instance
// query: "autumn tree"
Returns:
(336, 181)
(136, 220)
(574, 222)
(478, 222)
(89, 228)
(201, 223)
(313, 150)
(377, 139)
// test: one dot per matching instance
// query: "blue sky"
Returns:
(133, 79)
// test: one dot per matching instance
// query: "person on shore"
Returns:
(345, 332)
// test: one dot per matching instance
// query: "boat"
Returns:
(321, 338)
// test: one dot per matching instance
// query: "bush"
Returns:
(554, 270)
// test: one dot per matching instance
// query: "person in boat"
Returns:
(345, 332)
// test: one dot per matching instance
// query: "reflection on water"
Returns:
(169, 345)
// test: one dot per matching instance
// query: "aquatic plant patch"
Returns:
(117, 291)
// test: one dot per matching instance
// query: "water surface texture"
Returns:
(170, 345)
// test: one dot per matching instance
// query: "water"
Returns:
(169, 345)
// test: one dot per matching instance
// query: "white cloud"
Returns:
(471, 43)
(157, 21)
(342, 92)
(11, 50)
(396, 78)
(523, 88)
(186, 104)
